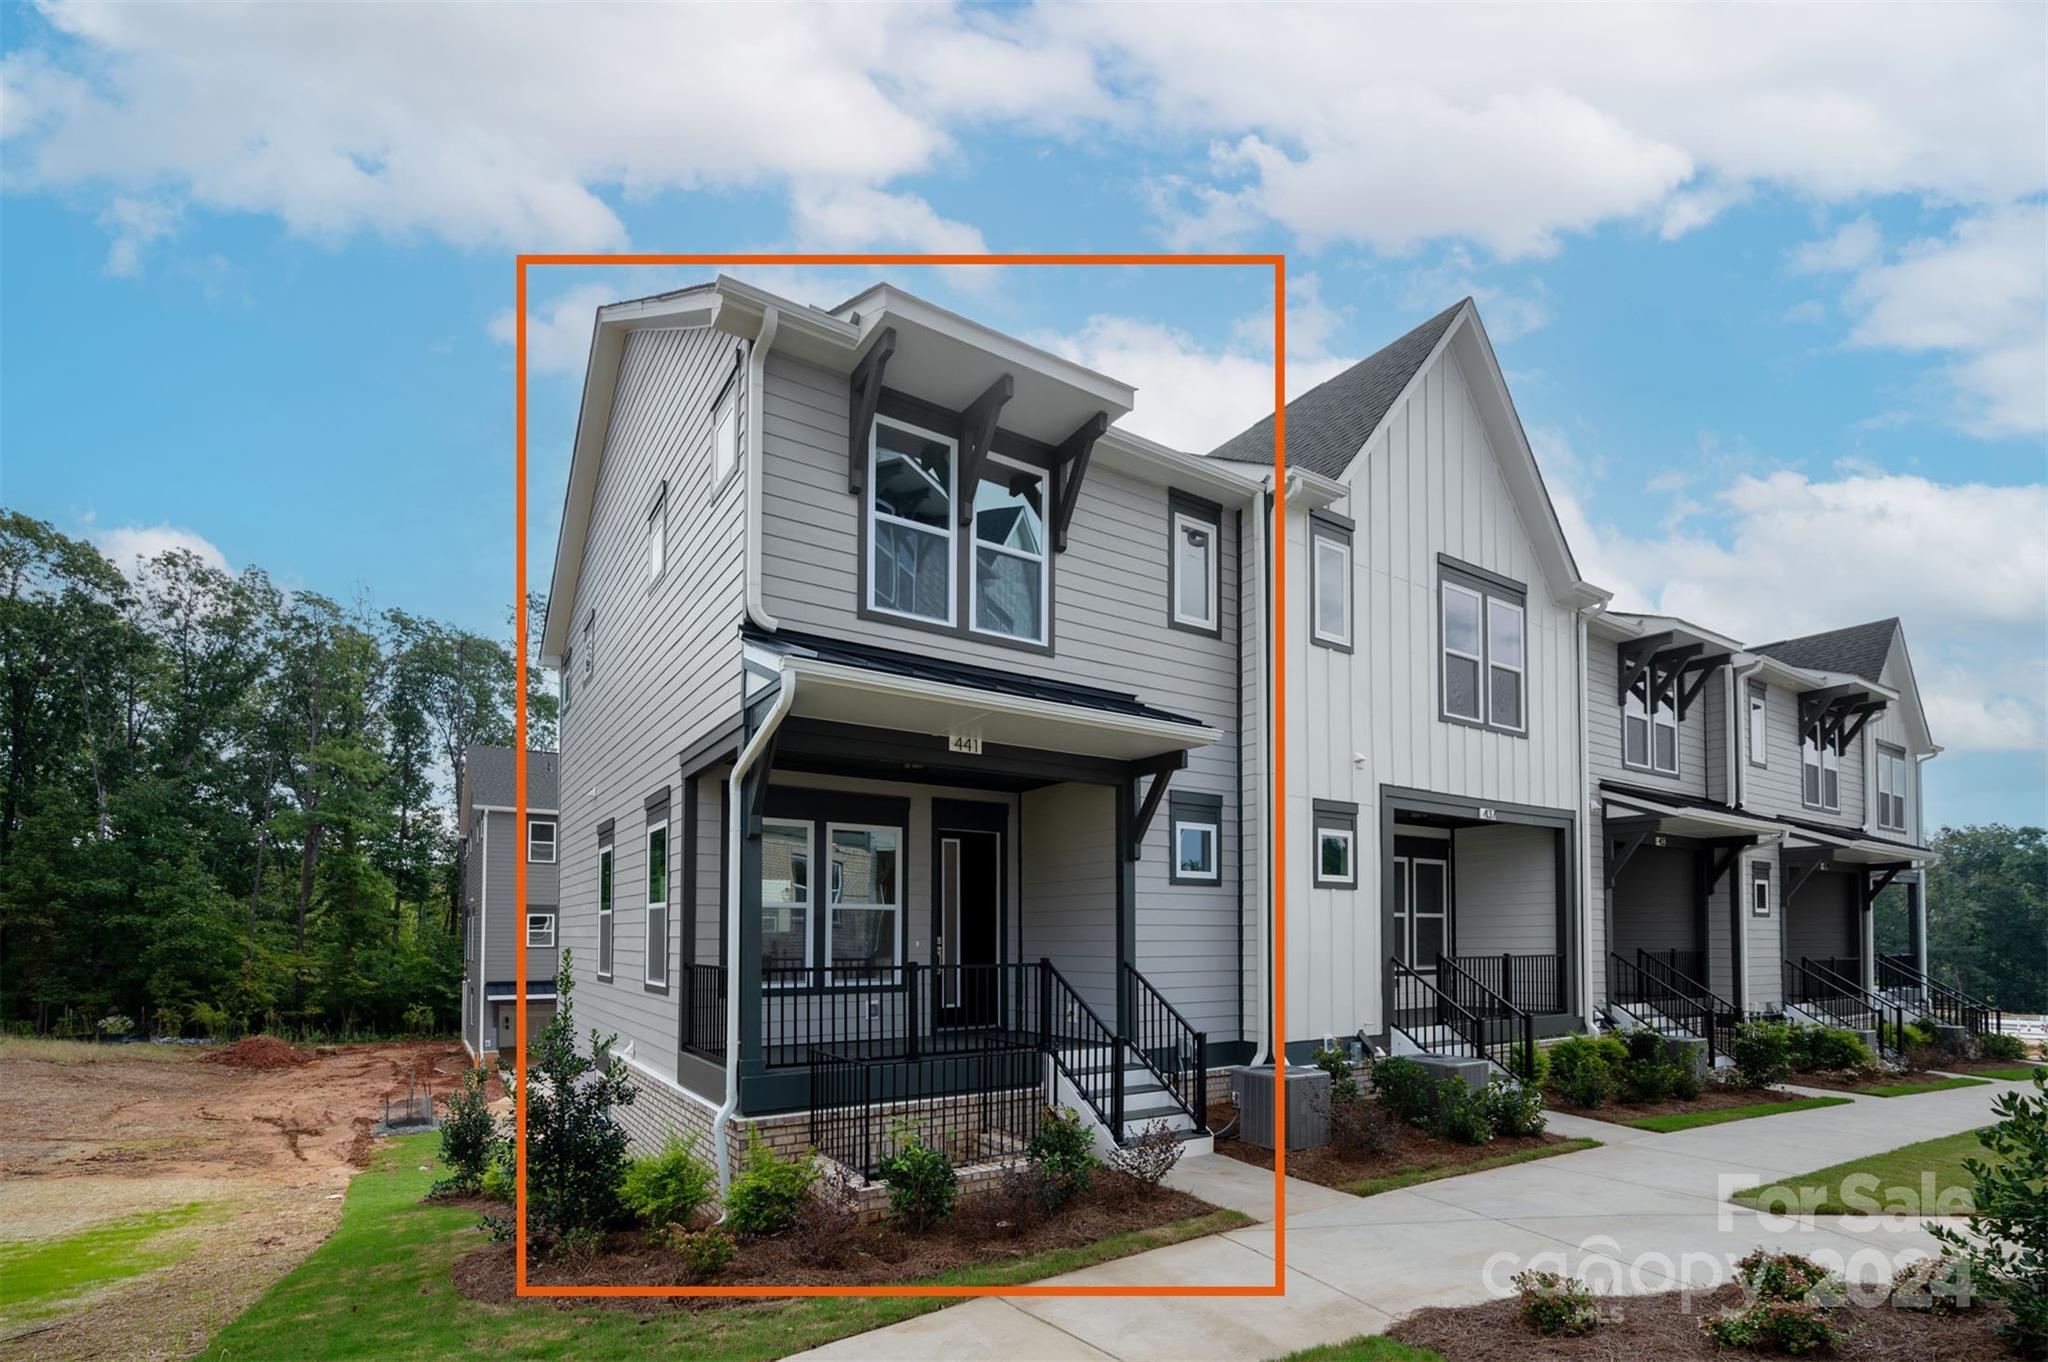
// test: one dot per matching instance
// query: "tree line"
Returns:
(228, 805)
(1987, 915)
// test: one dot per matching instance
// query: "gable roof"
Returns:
(1330, 423)
(487, 779)
(1859, 650)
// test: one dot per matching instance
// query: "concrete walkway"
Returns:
(1641, 1213)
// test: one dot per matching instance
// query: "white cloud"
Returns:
(842, 217)
(558, 331)
(134, 223)
(1853, 246)
(128, 547)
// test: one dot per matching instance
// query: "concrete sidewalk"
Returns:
(1641, 1213)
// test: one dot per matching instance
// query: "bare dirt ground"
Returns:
(87, 1137)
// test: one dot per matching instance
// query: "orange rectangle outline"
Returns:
(1277, 793)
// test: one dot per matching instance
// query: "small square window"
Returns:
(1336, 846)
(1330, 589)
(540, 929)
(1760, 889)
(540, 840)
(1194, 839)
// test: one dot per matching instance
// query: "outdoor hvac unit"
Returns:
(1308, 1106)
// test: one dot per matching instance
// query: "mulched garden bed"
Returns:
(1662, 1326)
(1414, 1150)
(1854, 1082)
(1713, 1097)
(977, 1234)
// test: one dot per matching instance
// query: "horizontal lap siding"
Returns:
(1603, 730)
(1069, 887)
(667, 666)
(1428, 484)
(1775, 789)
(1506, 886)
(507, 921)
(1110, 612)
(1765, 935)
(1653, 903)
(1822, 919)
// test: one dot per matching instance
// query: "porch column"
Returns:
(745, 1048)
(1916, 922)
(1126, 897)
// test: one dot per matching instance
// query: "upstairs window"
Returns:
(1192, 568)
(656, 972)
(1820, 766)
(1009, 571)
(657, 535)
(1759, 888)
(1891, 789)
(1484, 633)
(1330, 586)
(540, 929)
(1759, 754)
(588, 651)
(540, 840)
(725, 436)
(604, 911)
(1649, 735)
(1195, 825)
(910, 522)
(1336, 845)
(562, 683)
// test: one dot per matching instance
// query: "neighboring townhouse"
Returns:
(910, 728)
(492, 844)
(1436, 670)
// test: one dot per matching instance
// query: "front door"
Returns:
(1422, 903)
(967, 913)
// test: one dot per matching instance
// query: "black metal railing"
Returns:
(1721, 1016)
(1950, 1006)
(971, 1104)
(1507, 1033)
(704, 1011)
(1086, 1048)
(1431, 1018)
(1689, 961)
(1658, 1004)
(893, 1011)
(1533, 982)
(1166, 1043)
(1843, 1001)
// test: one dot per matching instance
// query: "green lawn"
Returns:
(1414, 1176)
(2019, 1073)
(1925, 1178)
(1936, 1085)
(1364, 1348)
(40, 1276)
(1688, 1120)
(380, 1288)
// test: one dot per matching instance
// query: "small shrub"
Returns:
(1362, 1129)
(1939, 1286)
(2005, 1249)
(1645, 1047)
(1786, 1277)
(575, 1145)
(113, 1026)
(578, 1244)
(922, 1183)
(1555, 1304)
(1462, 1115)
(1532, 1066)
(1762, 1053)
(1149, 1158)
(498, 1180)
(1999, 1046)
(1017, 1201)
(705, 1254)
(418, 1020)
(470, 1139)
(1685, 1082)
(765, 1198)
(1062, 1154)
(1337, 1065)
(827, 1229)
(1403, 1087)
(1514, 1110)
(1644, 1081)
(1586, 1070)
(1833, 1048)
(170, 1022)
(1794, 1328)
(671, 1187)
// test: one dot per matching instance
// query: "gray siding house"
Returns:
(910, 721)
(492, 844)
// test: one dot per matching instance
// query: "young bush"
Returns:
(1997, 1045)
(1337, 1065)
(669, 1188)
(827, 1229)
(1555, 1304)
(1584, 1070)
(922, 1184)
(1762, 1053)
(1644, 1047)
(2006, 1247)
(575, 1146)
(1685, 1082)
(705, 1254)
(1062, 1155)
(1644, 1081)
(1532, 1066)
(1787, 1277)
(1939, 1286)
(1461, 1114)
(470, 1140)
(1794, 1328)
(1148, 1159)
(1403, 1087)
(1513, 1109)
(765, 1198)
(1362, 1129)
(1831, 1048)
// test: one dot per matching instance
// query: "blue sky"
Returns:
(1769, 287)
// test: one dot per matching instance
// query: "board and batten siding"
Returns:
(1109, 620)
(1506, 889)
(667, 665)
(1429, 483)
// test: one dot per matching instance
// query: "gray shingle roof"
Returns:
(1330, 423)
(1859, 650)
(487, 773)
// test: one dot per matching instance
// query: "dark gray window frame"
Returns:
(1335, 815)
(1819, 803)
(1488, 585)
(1338, 529)
(1759, 753)
(1187, 504)
(554, 840)
(656, 813)
(1667, 693)
(1760, 874)
(658, 505)
(1880, 751)
(607, 903)
(904, 409)
(821, 808)
(1190, 807)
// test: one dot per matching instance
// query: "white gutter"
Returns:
(1738, 772)
(1583, 616)
(1920, 760)
(1269, 858)
(756, 455)
(735, 833)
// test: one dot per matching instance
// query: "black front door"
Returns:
(966, 929)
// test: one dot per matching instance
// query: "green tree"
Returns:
(1987, 906)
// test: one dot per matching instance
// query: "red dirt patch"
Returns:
(261, 1053)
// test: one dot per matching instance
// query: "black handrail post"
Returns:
(1045, 1004)
(910, 1020)
(1201, 1112)
(1507, 977)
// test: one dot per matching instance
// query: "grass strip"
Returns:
(2020, 1073)
(1688, 1120)
(1414, 1176)
(1936, 1085)
(1364, 1348)
(1926, 1178)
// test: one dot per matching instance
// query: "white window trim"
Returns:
(605, 916)
(1211, 621)
(1478, 659)
(1759, 890)
(1349, 879)
(549, 931)
(895, 908)
(657, 537)
(668, 860)
(1758, 709)
(1214, 873)
(1888, 793)
(1319, 540)
(1043, 558)
(1521, 670)
(1822, 751)
(810, 899)
(951, 531)
(553, 832)
(725, 417)
(1634, 707)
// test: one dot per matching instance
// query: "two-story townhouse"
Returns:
(911, 718)
(1436, 658)
(491, 845)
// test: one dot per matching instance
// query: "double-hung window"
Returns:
(540, 929)
(1193, 558)
(1330, 585)
(910, 522)
(865, 938)
(1195, 824)
(604, 911)
(1891, 788)
(1649, 731)
(657, 902)
(1336, 845)
(540, 841)
(1484, 632)
(562, 683)
(1759, 753)
(1009, 570)
(1759, 888)
(1820, 772)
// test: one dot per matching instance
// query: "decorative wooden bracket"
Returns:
(1806, 872)
(1862, 714)
(1724, 856)
(1629, 847)
(1815, 706)
(977, 432)
(1701, 669)
(864, 391)
(1161, 769)
(1883, 882)
(1636, 658)
(1069, 468)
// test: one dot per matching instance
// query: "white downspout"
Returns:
(1739, 680)
(1920, 760)
(1584, 614)
(1271, 862)
(483, 940)
(1738, 769)
(756, 455)
(735, 833)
